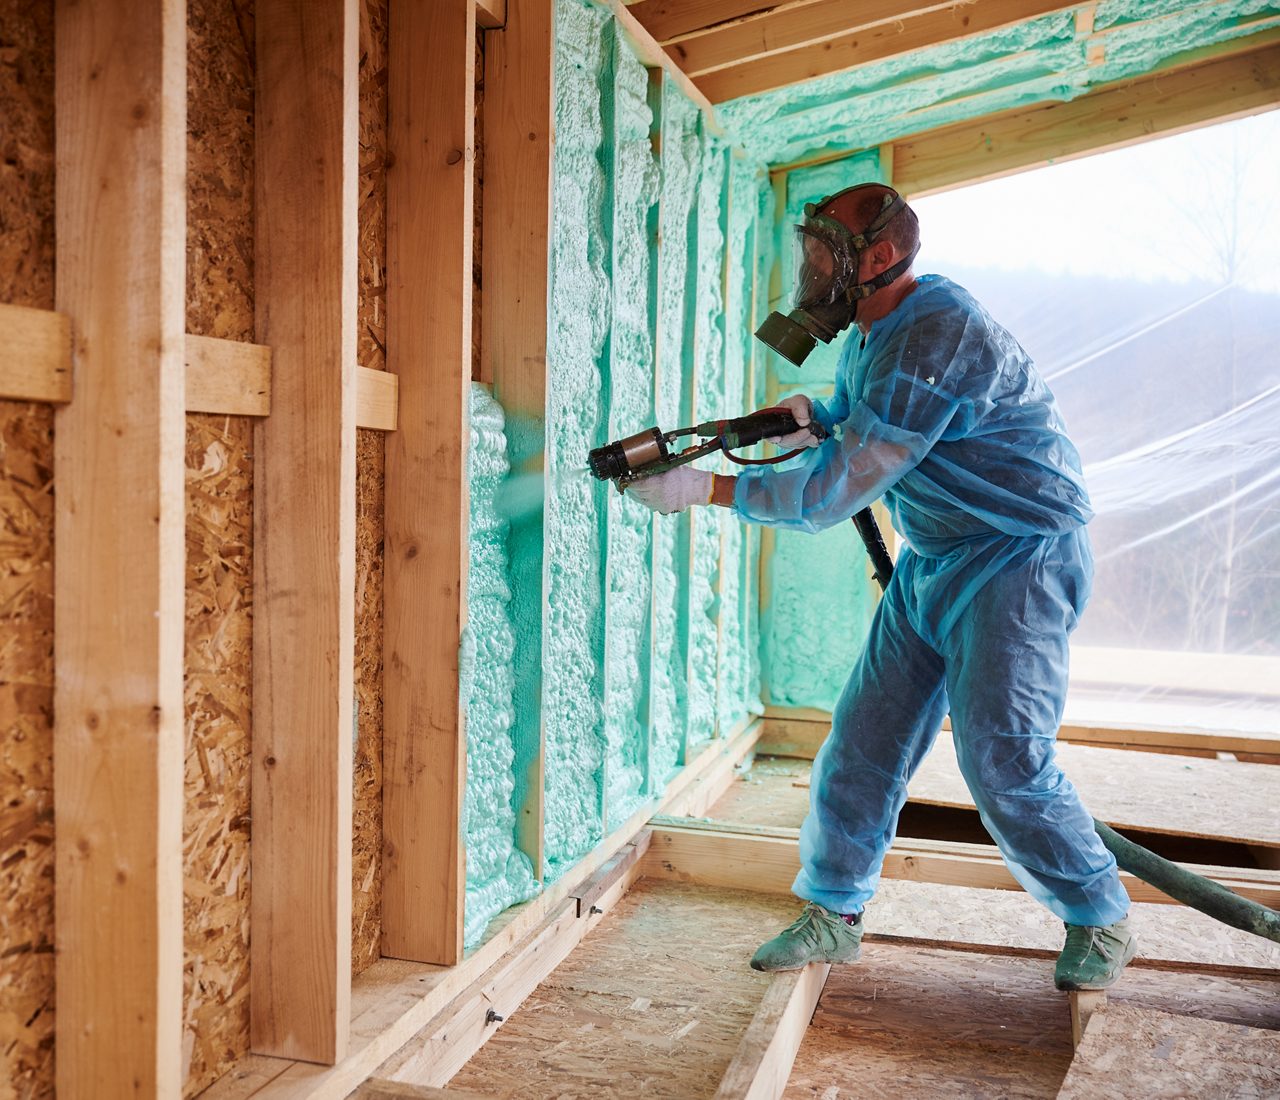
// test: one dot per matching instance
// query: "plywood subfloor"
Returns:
(653, 1003)
(922, 1022)
(1130, 1052)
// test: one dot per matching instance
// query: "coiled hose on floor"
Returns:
(1209, 897)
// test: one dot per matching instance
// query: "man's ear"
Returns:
(883, 255)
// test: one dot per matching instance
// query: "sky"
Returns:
(1161, 210)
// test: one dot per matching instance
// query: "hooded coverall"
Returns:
(940, 411)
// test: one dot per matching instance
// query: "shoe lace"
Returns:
(813, 922)
(1084, 939)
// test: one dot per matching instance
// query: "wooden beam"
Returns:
(304, 529)
(871, 31)
(865, 43)
(431, 136)
(1113, 116)
(227, 376)
(118, 592)
(654, 56)
(1083, 1005)
(393, 1000)
(762, 1063)
(766, 859)
(491, 14)
(513, 339)
(35, 364)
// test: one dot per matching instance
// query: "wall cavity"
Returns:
(498, 875)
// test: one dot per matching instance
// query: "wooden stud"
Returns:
(226, 376)
(513, 341)
(304, 529)
(762, 1063)
(1112, 117)
(118, 596)
(873, 26)
(431, 136)
(838, 50)
(1083, 1005)
(651, 54)
(491, 14)
(36, 361)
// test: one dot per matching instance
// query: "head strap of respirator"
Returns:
(827, 287)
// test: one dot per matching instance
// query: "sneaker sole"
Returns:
(801, 965)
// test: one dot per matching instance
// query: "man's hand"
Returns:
(673, 491)
(802, 409)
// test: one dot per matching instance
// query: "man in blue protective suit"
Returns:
(938, 410)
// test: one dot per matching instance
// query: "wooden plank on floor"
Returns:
(1132, 1053)
(513, 339)
(304, 529)
(35, 354)
(431, 138)
(118, 591)
(768, 858)
(763, 1061)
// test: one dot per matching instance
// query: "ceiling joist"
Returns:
(1114, 116)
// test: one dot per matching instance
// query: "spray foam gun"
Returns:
(647, 453)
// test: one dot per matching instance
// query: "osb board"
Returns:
(1130, 1053)
(219, 535)
(652, 1003)
(366, 861)
(26, 566)
(910, 1021)
(1009, 918)
(1182, 796)
(766, 795)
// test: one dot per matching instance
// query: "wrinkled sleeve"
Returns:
(910, 397)
(835, 410)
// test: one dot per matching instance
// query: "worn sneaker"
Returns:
(819, 935)
(1094, 956)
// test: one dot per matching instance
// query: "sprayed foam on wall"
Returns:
(573, 636)
(706, 367)
(629, 379)
(497, 874)
(681, 154)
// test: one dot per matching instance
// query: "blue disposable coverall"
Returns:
(941, 412)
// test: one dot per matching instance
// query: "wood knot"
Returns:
(453, 156)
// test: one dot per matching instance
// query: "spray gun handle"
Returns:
(766, 424)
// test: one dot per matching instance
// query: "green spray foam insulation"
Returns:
(1040, 60)
(497, 874)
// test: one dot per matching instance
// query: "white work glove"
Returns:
(673, 491)
(802, 409)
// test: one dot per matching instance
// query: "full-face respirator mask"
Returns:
(827, 254)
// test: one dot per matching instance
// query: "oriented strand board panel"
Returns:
(218, 661)
(26, 565)
(1182, 796)
(653, 1003)
(121, 217)
(1131, 1053)
(304, 527)
(371, 342)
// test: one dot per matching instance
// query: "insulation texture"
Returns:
(629, 365)
(573, 641)
(681, 155)
(497, 874)
(1033, 62)
(26, 566)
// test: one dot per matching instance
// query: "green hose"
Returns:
(1190, 889)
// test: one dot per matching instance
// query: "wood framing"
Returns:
(763, 858)
(764, 1058)
(225, 376)
(431, 138)
(35, 364)
(513, 340)
(118, 596)
(491, 14)
(654, 56)
(821, 48)
(1111, 117)
(304, 529)
(799, 36)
